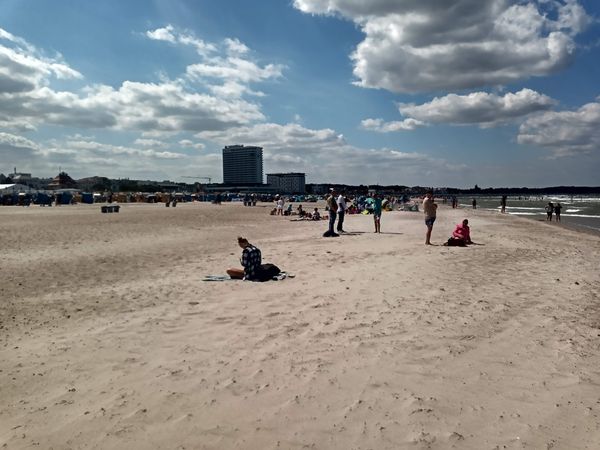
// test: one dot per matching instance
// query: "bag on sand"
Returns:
(268, 271)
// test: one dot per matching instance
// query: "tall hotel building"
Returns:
(242, 165)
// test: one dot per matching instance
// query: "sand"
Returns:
(110, 340)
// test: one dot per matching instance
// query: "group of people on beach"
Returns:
(553, 208)
(337, 205)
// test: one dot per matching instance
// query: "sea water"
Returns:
(577, 211)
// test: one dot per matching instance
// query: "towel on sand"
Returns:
(279, 277)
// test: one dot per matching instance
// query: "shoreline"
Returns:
(567, 224)
(110, 340)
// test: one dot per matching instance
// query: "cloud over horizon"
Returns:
(565, 133)
(326, 156)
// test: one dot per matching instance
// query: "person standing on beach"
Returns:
(549, 211)
(557, 209)
(430, 209)
(341, 211)
(503, 204)
(377, 207)
(280, 203)
(332, 207)
(474, 203)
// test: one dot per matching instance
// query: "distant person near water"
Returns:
(549, 211)
(503, 204)
(430, 209)
(557, 209)
(474, 203)
(377, 208)
(332, 208)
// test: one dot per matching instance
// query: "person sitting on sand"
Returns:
(461, 235)
(250, 260)
(300, 211)
(316, 214)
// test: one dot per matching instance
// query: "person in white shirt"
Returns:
(341, 211)
(280, 203)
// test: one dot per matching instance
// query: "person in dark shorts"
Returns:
(430, 210)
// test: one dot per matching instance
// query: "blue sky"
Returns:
(414, 92)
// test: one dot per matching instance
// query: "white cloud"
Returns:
(232, 65)
(236, 47)
(427, 45)
(81, 157)
(162, 34)
(381, 126)
(479, 108)
(23, 69)
(170, 34)
(150, 143)
(15, 141)
(28, 100)
(564, 133)
(186, 143)
(233, 68)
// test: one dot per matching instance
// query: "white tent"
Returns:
(13, 188)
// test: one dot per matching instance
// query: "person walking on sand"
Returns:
(430, 209)
(332, 207)
(377, 207)
(341, 211)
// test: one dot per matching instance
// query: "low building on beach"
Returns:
(287, 183)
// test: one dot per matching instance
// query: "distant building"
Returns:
(62, 181)
(288, 183)
(242, 165)
(21, 177)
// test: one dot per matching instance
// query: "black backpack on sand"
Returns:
(267, 272)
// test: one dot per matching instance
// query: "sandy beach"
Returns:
(110, 340)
